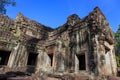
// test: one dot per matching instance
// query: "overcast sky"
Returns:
(54, 13)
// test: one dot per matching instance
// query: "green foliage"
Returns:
(118, 60)
(17, 36)
(117, 46)
(117, 41)
(17, 33)
(4, 3)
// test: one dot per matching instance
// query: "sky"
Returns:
(54, 13)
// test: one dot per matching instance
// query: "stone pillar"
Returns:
(13, 56)
(18, 57)
(60, 56)
(99, 57)
(113, 63)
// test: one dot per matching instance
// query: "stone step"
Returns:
(113, 78)
(18, 78)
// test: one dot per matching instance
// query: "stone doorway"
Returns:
(32, 59)
(4, 57)
(51, 59)
(82, 62)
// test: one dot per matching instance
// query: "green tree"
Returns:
(4, 3)
(117, 45)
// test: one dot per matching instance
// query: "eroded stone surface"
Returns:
(82, 46)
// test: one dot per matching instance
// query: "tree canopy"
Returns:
(117, 45)
(117, 39)
(4, 3)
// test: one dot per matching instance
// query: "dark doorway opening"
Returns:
(4, 57)
(32, 59)
(82, 63)
(51, 58)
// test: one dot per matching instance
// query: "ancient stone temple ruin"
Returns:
(81, 46)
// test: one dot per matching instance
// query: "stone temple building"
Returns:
(82, 46)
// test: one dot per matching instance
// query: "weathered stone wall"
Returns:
(100, 35)
(5, 28)
(60, 50)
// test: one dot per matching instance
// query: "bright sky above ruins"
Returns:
(54, 13)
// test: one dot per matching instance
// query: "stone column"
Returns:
(13, 56)
(18, 57)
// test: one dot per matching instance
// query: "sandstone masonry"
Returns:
(81, 46)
